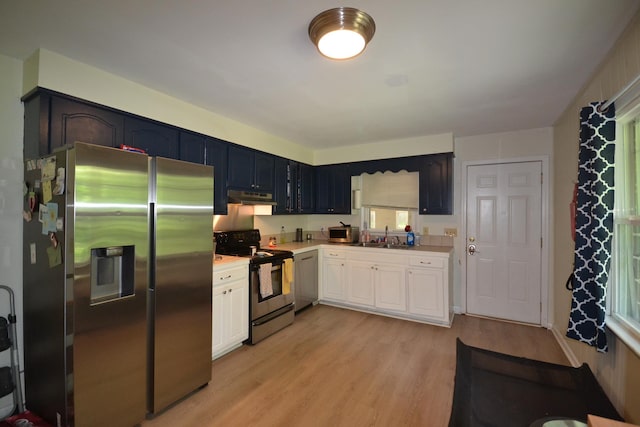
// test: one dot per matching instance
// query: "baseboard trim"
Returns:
(565, 347)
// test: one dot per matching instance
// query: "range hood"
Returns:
(250, 198)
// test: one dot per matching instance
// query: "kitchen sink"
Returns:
(368, 244)
(381, 245)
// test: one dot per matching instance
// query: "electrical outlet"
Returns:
(425, 231)
(451, 232)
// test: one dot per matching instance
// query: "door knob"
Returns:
(471, 249)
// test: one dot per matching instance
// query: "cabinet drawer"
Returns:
(333, 254)
(427, 261)
(227, 276)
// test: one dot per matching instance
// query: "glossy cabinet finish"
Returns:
(333, 189)
(250, 170)
(436, 185)
(293, 187)
(230, 301)
(154, 138)
(197, 148)
(306, 195)
(53, 119)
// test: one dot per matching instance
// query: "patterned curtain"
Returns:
(594, 226)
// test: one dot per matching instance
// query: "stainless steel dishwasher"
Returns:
(306, 279)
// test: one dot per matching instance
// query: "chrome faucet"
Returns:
(386, 232)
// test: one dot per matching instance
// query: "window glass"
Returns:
(626, 242)
(396, 219)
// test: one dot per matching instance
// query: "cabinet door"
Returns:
(391, 291)
(73, 121)
(216, 153)
(426, 292)
(192, 147)
(281, 187)
(334, 279)
(306, 193)
(241, 168)
(219, 320)
(263, 179)
(154, 138)
(333, 189)
(202, 149)
(323, 190)
(36, 126)
(360, 279)
(238, 308)
(436, 185)
(341, 189)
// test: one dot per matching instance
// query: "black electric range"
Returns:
(246, 243)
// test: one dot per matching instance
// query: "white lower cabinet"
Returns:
(360, 282)
(391, 288)
(230, 307)
(334, 275)
(425, 292)
(415, 285)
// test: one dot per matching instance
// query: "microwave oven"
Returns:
(346, 234)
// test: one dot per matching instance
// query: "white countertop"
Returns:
(299, 247)
(225, 260)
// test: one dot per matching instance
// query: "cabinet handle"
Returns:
(428, 262)
(225, 277)
(230, 290)
(224, 292)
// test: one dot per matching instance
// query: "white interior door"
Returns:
(504, 240)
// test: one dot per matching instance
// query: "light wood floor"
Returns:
(336, 367)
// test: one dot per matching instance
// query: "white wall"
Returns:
(11, 199)
(497, 146)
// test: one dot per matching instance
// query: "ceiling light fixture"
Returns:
(341, 33)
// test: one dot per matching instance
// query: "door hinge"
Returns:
(541, 243)
(541, 178)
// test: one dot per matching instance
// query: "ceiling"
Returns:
(468, 67)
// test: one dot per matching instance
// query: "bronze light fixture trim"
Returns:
(341, 33)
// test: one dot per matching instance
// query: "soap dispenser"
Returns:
(411, 238)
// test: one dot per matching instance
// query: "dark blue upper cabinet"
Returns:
(306, 190)
(250, 170)
(282, 187)
(333, 189)
(436, 185)
(197, 148)
(154, 138)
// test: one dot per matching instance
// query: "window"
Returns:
(395, 218)
(625, 277)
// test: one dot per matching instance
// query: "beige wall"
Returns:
(52, 71)
(618, 370)
(11, 177)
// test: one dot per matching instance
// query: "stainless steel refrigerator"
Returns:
(96, 328)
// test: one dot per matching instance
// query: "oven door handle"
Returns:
(275, 266)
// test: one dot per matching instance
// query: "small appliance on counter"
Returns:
(344, 234)
(271, 305)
